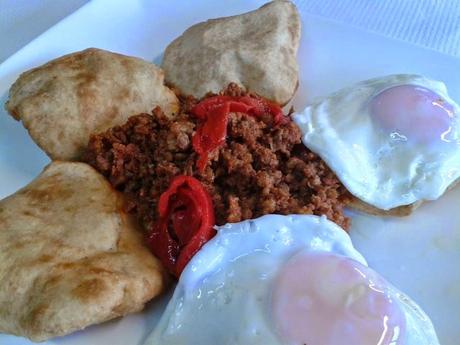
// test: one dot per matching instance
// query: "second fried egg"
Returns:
(288, 280)
(391, 141)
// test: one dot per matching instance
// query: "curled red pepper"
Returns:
(185, 223)
(214, 113)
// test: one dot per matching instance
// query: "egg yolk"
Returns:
(321, 298)
(413, 113)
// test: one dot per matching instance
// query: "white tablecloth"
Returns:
(23, 20)
(434, 24)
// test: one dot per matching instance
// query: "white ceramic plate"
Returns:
(419, 254)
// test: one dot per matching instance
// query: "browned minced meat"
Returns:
(261, 169)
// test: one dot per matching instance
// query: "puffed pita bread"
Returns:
(66, 100)
(256, 50)
(69, 257)
(401, 211)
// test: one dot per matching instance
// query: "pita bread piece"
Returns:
(66, 100)
(69, 258)
(400, 211)
(256, 50)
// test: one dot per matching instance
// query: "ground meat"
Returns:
(260, 169)
(141, 157)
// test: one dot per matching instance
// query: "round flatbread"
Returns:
(69, 256)
(257, 50)
(66, 100)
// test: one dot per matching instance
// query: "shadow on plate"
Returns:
(158, 59)
(19, 155)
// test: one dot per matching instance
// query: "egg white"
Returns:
(223, 295)
(382, 171)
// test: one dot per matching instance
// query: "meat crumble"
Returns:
(261, 168)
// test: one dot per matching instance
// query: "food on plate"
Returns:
(392, 141)
(287, 280)
(184, 223)
(256, 50)
(69, 256)
(64, 101)
(237, 146)
(230, 194)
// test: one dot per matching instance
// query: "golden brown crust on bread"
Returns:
(69, 257)
(67, 99)
(401, 211)
(256, 50)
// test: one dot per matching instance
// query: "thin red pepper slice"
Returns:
(259, 107)
(211, 134)
(214, 112)
(202, 109)
(185, 224)
(187, 216)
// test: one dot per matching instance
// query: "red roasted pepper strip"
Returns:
(214, 112)
(211, 134)
(202, 109)
(185, 223)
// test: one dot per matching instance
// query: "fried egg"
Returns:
(391, 141)
(289, 280)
